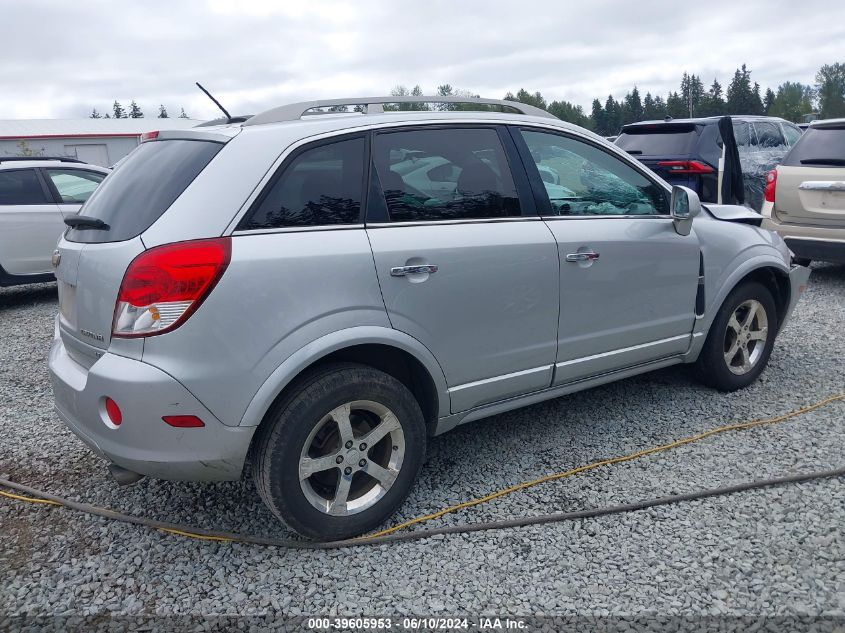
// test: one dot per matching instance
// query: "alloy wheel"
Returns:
(351, 458)
(746, 336)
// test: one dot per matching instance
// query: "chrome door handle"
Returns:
(582, 257)
(401, 271)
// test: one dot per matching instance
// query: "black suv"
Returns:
(688, 152)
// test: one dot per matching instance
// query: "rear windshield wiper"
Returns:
(634, 151)
(824, 161)
(86, 222)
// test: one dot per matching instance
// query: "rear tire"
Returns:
(339, 454)
(740, 340)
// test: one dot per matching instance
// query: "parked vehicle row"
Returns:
(696, 153)
(36, 195)
(321, 293)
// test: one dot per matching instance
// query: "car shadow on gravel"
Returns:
(30, 294)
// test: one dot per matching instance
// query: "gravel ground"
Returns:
(773, 552)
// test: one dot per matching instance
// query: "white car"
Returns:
(36, 195)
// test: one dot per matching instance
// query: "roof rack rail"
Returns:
(63, 159)
(375, 105)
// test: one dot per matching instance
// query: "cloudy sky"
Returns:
(61, 59)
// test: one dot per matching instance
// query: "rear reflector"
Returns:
(113, 411)
(165, 285)
(771, 185)
(149, 136)
(686, 166)
(183, 421)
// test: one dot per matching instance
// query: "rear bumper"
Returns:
(809, 242)
(143, 442)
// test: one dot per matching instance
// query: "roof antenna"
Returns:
(216, 102)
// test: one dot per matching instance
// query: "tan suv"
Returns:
(805, 195)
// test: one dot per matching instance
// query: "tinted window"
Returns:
(137, 194)
(658, 139)
(74, 185)
(445, 174)
(768, 134)
(818, 147)
(21, 186)
(581, 179)
(320, 186)
(791, 133)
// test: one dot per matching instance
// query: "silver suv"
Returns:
(316, 295)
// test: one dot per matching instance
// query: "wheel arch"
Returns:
(767, 270)
(391, 351)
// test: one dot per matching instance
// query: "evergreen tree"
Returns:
(183, 115)
(676, 107)
(523, 96)
(830, 83)
(756, 100)
(95, 114)
(135, 111)
(649, 109)
(742, 98)
(162, 112)
(598, 118)
(692, 93)
(613, 116)
(713, 103)
(633, 109)
(119, 112)
(768, 101)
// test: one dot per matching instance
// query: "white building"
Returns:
(97, 141)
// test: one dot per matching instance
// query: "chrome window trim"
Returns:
(300, 229)
(385, 225)
(605, 217)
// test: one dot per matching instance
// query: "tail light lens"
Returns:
(165, 285)
(771, 185)
(149, 136)
(686, 167)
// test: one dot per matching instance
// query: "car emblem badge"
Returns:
(57, 257)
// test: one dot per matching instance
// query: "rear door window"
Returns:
(321, 186)
(137, 194)
(444, 174)
(75, 186)
(659, 139)
(791, 133)
(819, 147)
(21, 186)
(742, 134)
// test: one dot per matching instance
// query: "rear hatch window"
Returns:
(659, 139)
(821, 146)
(142, 188)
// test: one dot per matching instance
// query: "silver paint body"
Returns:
(505, 321)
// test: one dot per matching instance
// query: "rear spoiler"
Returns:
(734, 213)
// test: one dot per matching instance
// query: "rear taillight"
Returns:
(686, 166)
(165, 285)
(771, 185)
(149, 136)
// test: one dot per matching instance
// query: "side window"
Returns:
(581, 179)
(321, 186)
(21, 186)
(742, 134)
(75, 186)
(768, 134)
(444, 174)
(792, 134)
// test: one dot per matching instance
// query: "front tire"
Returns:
(339, 454)
(740, 340)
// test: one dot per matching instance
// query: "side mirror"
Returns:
(685, 206)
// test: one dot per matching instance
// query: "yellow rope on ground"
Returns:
(528, 484)
(604, 462)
